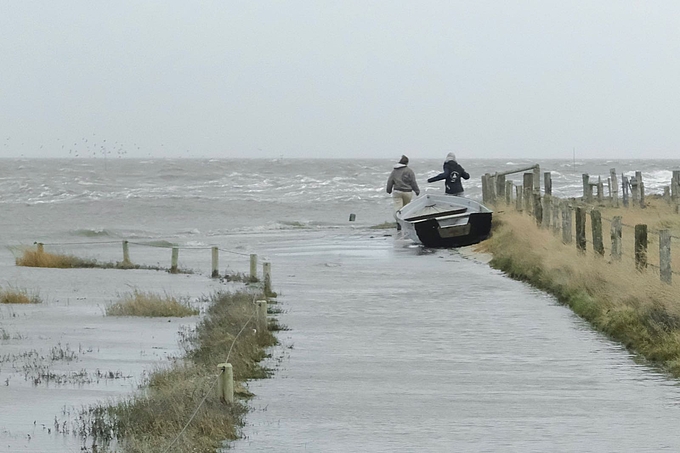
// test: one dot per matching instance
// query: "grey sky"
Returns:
(340, 79)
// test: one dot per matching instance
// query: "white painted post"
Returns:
(262, 316)
(215, 262)
(253, 267)
(267, 277)
(225, 383)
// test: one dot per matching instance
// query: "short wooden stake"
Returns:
(41, 247)
(625, 190)
(566, 223)
(225, 383)
(581, 229)
(675, 185)
(642, 195)
(253, 267)
(555, 215)
(615, 187)
(587, 189)
(667, 195)
(635, 189)
(508, 192)
(600, 190)
(528, 191)
(665, 256)
(175, 258)
(596, 225)
(616, 232)
(500, 186)
(126, 253)
(547, 211)
(547, 183)
(538, 209)
(640, 247)
(485, 188)
(215, 262)
(518, 198)
(492, 189)
(262, 315)
(267, 277)
(537, 178)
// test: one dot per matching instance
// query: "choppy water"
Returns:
(393, 348)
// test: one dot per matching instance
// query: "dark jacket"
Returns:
(452, 174)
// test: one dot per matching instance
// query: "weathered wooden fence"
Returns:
(568, 218)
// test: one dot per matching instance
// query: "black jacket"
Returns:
(452, 174)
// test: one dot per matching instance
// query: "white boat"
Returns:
(444, 221)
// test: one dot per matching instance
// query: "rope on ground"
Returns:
(167, 449)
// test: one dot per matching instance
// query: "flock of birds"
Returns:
(93, 147)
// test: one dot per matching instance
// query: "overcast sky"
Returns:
(340, 79)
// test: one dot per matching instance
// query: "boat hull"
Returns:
(449, 221)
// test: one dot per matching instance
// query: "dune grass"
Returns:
(151, 420)
(632, 307)
(148, 304)
(12, 295)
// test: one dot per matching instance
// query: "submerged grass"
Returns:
(632, 307)
(12, 295)
(151, 420)
(141, 303)
(35, 258)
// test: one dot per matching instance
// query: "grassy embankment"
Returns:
(151, 420)
(632, 307)
(148, 304)
(35, 258)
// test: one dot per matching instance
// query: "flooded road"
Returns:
(395, 349)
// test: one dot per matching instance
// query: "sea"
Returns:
(388, 346)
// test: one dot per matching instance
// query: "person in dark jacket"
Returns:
(452, 175)
(402, 183)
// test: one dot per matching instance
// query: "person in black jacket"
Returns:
(452, 173)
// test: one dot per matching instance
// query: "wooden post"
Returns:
(175, 258)
(537, 178)
(267, 277)
(635, 189)
(126, 253)
(587, 191)
(528, 191)
(675, 185)
(538, 209)
(609, 189)
(547, 183)
(665, 256)
(225, 383)
(253, 267)
(555, 215)
(625, 190)
(547, 212)
(667, 195)
(615, 187)
(485, 188)
(566, 223)
(508, 192)
(596, 225)
(642, 195)
(518, 199)
(616, 231)
(40, 247)
(500, 186)
(262, 316)
(581, 229)
(492, 189)
(600, 190)
(640, 247)
(215, 262)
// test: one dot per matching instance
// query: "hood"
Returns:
(450, 157)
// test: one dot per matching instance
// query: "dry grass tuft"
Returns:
(632, 307)
(151, 420)
(18, 296)
(33, 258)
(140, 303)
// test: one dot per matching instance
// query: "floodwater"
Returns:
(394, 348)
